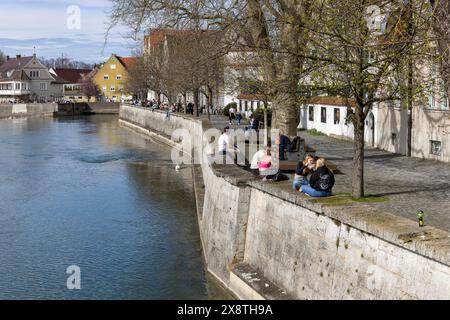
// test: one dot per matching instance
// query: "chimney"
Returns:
(18, 56)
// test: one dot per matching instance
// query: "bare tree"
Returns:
(365, 60)
(64, 62)
(2, 58)
(89, 88)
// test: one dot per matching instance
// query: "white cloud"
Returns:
(43, 23)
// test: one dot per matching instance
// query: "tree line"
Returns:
(366, 51)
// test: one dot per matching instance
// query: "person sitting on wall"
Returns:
(266, 169)
(321, 182)
(257, 159)
(304, 168)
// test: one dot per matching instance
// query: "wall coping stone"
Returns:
(428, 241)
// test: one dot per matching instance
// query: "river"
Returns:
(87, 192)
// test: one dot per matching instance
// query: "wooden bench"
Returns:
(290, 166)
(309, 149)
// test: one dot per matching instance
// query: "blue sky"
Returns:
(43, 24)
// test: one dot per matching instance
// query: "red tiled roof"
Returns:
(251, 97)
(72, 76)
(16, 75)
(330, 101)
(14, 64)
(127, 62)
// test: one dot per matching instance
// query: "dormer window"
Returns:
(34, 74)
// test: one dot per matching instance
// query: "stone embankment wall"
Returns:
(10, 111)
(263, 241)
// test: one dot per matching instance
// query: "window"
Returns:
(119, 77)
(113, 88)
(337, 115)
(311, 113)
(113, 66)
(104, 88)
(246, 105)
(106, 77)
(323, 115)
(34, 74)
(43, 86)
(17, 86)
(6, 86)
(436, 148)
(121, 87)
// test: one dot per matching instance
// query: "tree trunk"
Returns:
(210, 102)
(196, 102)
(184, 103)
(358, 156)
(286, 112)
(266, 125)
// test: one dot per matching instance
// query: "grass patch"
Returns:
(341, 199)
(315, 132)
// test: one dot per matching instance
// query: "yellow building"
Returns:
(111, 78)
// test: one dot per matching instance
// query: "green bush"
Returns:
(315, 132)
(226, 110)
(259, 115)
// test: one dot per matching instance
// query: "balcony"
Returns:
(14, 92)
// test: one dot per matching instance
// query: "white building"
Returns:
(329, 115)
(27, 79)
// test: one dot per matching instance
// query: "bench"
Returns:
(290, 166)
(300, 150)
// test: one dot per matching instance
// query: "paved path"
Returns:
(410, 184)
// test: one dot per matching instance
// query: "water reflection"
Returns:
(85, 191)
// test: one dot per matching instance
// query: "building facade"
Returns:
(111, 78)
(235, 68)
(26, 79)
(74, 79)
(386, 126)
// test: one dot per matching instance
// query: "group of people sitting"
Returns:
(312, 176)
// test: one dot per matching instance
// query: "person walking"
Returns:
(238, 118)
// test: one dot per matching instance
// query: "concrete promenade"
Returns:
(259, 235)
(407, 184)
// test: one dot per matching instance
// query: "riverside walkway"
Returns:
(404, 185)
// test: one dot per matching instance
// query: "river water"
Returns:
(87, 192)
